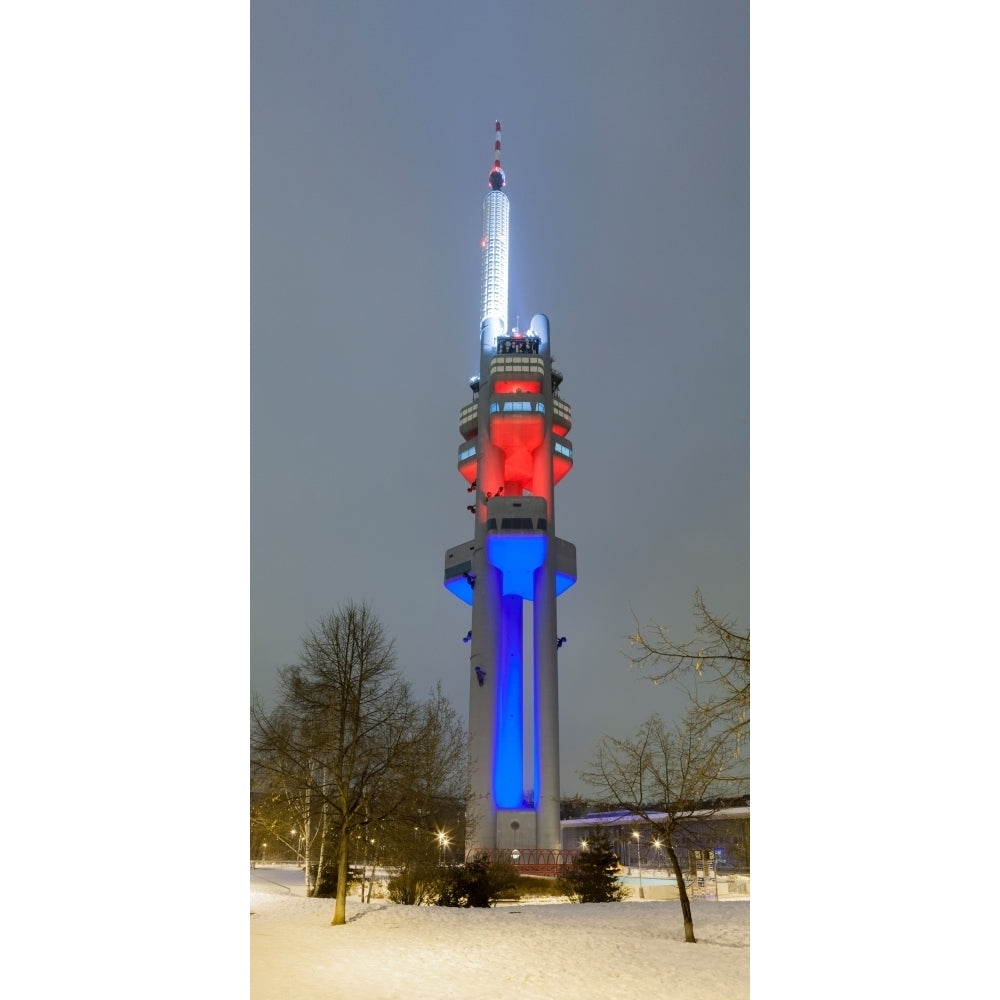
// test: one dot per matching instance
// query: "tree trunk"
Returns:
(340, 910)
(307, 853)
(367, 878)
(321, 858)
(682, 889)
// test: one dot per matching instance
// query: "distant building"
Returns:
(724, 831)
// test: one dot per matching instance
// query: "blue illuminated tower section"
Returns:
(514, 450)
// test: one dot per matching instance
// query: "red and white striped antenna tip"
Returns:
(497, 179)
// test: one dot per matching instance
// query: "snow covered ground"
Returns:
(538, 951)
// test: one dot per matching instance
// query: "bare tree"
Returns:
(666, 776)
(428, 827)
(344, 732)
(714, 667)
(439, 761)
(280, 793)
(278, 815)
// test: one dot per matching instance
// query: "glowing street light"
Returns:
(638, 858)
(443, 842)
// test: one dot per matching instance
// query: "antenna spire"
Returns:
(497, 179)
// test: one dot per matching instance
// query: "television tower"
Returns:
(514, 450)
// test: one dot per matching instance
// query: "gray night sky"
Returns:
(626, 149)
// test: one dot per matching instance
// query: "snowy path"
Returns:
(537, 952)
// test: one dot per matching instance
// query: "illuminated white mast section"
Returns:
(496, 214)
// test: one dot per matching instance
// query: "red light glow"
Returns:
(517, 436)
(517, 385)
(468, 470)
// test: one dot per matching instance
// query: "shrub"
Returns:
(537, 886)
(415, 885)
(593, 875)
(325, 879)
(479, 882)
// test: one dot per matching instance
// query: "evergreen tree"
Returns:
(593, 875)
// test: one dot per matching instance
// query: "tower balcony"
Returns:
(468, 420)
(562, 457)
(458, 575)
(509, 372)
(467, 459)
(565, 557)
(562, 416)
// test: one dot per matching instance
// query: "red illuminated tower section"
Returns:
(514, 450)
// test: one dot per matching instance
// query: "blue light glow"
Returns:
(509, 766)
(517, 556)
(460, 587)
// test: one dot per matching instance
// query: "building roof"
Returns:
(624, 818)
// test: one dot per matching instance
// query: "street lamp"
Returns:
(658, 844)
(638, 858)
(443, 842)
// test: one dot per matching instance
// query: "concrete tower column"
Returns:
(546, 675)
(481, 808)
